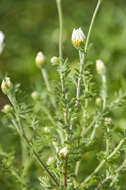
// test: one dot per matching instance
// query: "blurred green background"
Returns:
(32, 25)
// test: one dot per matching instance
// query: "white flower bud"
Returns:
(50, 160)
(54, 60)
(7, 108)
(108, 121)
(6, 85)
(98, 102)
(35, 95)
(100, 67)
(78, 37)
(63, 153)
(40, 59)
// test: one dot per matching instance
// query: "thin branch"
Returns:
(65, 173)
(21, 132)
(91, 25)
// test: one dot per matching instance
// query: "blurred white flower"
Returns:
(78, 37)
(2, 36)
(100, 67)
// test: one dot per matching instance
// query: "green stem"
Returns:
(104, 90)
(21, 132)
(91, 25)
(65, 172)
(61, 28)
(110, 177)
(43, 71)
(81, 55)
(103, 162)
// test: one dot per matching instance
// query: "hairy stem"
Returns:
(104, 91)
(91, 25)
(65, 173)
(43, 71)
(81, 55)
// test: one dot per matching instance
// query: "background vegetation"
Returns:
(32, 25)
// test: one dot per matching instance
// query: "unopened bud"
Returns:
(35, 95)
(98, 102)
(7, 108)
(100, 67)
(54, 60)
(78, 37)
(63, 153)
(108, 121)
(50, 160)
(6, 85)
(40, 59)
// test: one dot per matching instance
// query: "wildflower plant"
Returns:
(65, 123)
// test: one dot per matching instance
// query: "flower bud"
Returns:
(50, 160)
(6, 85)
(108, 121)
(35, 95)
(78, 37)
(98, 102)
(54, 60)
(7, 108)
(46, 130)
(100, 67)
(40, 59)
(63, 153)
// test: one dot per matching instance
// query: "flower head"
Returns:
(78, 37)
(40, 59)
(6, 85)
(100, 67)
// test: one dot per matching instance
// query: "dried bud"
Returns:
(6, 85)
(63, 153)
(54, 60)
(40, 59)
(100, 67)
(108, 121)
(98, 102)
(50, 160)
(7, 108)
(35, 95)
(78, 37)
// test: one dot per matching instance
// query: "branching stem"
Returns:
(21, 132)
